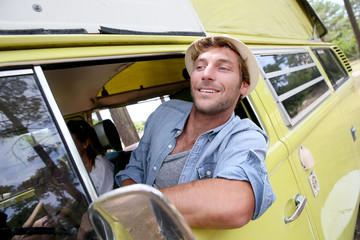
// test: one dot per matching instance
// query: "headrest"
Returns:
(108, 135)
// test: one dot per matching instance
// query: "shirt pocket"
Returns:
(206, 170)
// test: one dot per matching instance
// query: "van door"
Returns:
(311, 124)
(41, 193)
(272, 224)
(338, 74)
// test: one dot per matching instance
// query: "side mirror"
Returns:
(137, 212)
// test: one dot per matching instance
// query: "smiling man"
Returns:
(208, 162)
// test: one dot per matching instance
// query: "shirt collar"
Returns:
(179, 126)
(212, 133)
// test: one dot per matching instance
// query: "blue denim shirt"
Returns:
(235, 150)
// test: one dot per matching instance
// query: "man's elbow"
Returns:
(237, 221)
(240, 209)
(236, 218)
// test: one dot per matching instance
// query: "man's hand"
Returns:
(213, 203)
(85, 228)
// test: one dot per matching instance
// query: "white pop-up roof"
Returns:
(164, 17)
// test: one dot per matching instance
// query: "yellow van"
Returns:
(79, 58)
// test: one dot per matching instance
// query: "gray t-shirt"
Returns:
(171, 169)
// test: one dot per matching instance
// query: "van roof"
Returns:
(286, 19)
(261, 19)
(152, 17)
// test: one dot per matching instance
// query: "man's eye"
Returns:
(199, 67)
(223, 68)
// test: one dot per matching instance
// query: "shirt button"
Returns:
(155, 168)
(170, 146)
(178, 131)
(208, 173)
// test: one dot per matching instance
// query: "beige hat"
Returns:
(243, 50)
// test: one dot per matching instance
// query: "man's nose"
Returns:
(208, 73)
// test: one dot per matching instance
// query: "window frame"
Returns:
(65, 134)
(335, 84)
(66, 146)
(60, 124)
(288, 120)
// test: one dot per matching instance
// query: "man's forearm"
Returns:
(127, 182)
(213, 203)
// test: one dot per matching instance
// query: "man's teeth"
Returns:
(207, 91)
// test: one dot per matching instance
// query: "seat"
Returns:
(110, 139)
(108, 135)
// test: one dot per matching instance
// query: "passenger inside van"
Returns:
(185, 142)
(101, 170)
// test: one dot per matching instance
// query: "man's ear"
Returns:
(244, 88)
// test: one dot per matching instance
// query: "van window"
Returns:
(334, 70)
(295, 82)
(37, 181)
(245, 109)
(136, 114)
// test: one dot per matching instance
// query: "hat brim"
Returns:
(243, 50)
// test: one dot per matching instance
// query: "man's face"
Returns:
(215, 81)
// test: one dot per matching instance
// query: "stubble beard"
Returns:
(216, 106)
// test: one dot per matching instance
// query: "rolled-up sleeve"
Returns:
(134, 169)
(246, 162)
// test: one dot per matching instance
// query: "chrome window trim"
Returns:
(340, 81)
(291, 122)
(255, 113)
(19, 72)
(257, 116)
(290, 70)
(310, 108)
(300, 88)
(272, 51)
(66, 134)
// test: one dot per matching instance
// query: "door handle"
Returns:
(300, 202)
(353, 132)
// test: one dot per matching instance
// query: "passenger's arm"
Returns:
(30, 221)
(213, 203)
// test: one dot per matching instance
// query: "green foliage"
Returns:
(335, 18)
(6, 189)
(94, 121)
(139, 126)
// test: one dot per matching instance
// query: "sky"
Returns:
(338, 1)
(138, 112)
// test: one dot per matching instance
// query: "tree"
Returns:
(353, 22)
(125, 126)
(340, 31)
(332, 14)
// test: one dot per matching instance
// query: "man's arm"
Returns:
(213, 203)
(127, 182)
